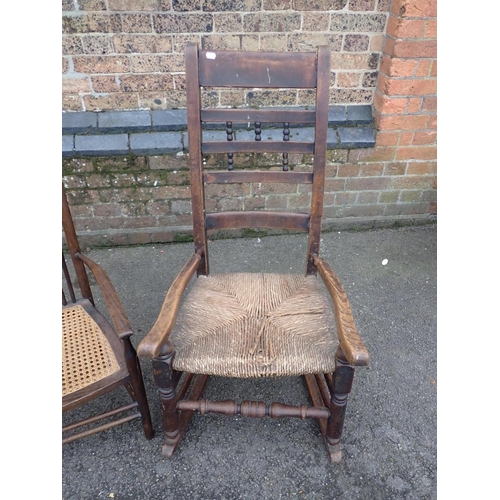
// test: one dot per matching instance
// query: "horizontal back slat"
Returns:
(258, 219)
(255, 115)
(225, 177)
(255, 69)
(211, 147)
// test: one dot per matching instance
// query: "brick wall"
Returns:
(117, 58)
(129, 54)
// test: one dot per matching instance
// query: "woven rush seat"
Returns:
(87, 356)
(255, 325)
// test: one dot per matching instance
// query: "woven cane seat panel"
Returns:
(255, 325)
(87, 356)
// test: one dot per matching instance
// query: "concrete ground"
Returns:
(389, 437)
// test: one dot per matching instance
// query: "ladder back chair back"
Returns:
(97, 358)
(243, 324)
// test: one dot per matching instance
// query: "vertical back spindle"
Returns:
(229, 136)
(258, 131)
(286, 137)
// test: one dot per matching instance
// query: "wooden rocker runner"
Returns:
(248, 325)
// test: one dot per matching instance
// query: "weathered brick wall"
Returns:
(129, 54)
(405, 104)
(146, 198)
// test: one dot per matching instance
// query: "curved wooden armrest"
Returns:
(350, 341)
(151, 346)
(113, 303)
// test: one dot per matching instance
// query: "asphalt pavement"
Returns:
(389, 440)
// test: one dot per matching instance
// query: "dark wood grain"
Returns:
(195, 159)
(152, 345)
(258, 219)
(258, 115)
(350, 341)
(322, 96)
(257, 69)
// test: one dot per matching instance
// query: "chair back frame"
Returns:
(268, 70)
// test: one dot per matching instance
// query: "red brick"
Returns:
(107, 210)
(414, 104)
(392, 66)
(351, 170)
(418, 168)
(276, 202)
(421, 138)
(406, 138)
(368, 183)
(406, 87)
(412, 182)
(414, 8)
(416, 153)
(387, 138)
(330, 171)
(345, 198)
(395, 168)
(389, 105)
(371, 154)
(402, 28)
(417, 48)
(367, 198)
(371, 169)
(332, 185)
(424, 67)
(403, 122)
(429, 104)
(434, 68)
(430, 29)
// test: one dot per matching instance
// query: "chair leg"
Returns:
(164, 379)
(341, 387)
(137, 385)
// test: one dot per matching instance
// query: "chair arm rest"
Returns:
(350, 341)
(151, 346)
(113, 303)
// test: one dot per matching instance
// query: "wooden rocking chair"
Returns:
(96, 358)
(255, 324)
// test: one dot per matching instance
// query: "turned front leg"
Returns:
(166, 383)
(341, 387)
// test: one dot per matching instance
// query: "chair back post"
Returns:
(193, 97)
(321, 130)
(74, 248)
(266, 70)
